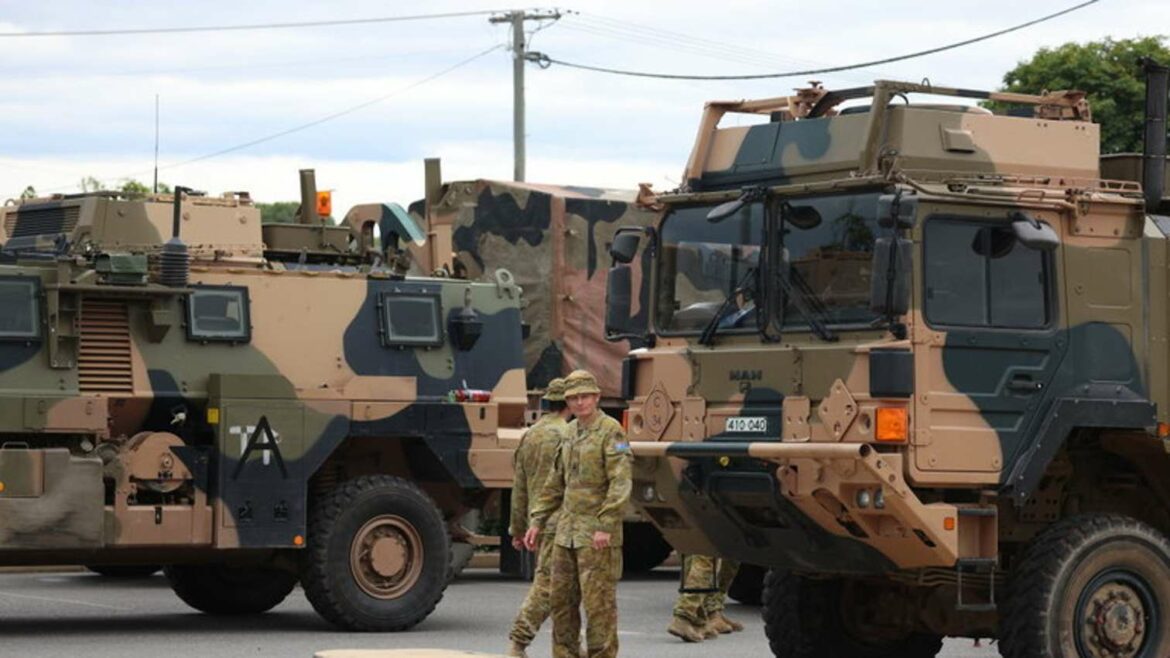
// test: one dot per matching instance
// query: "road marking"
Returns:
(51, 599)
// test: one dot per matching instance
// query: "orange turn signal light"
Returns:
(949, 523)
(892, 424)
(325, 203)
(1163, 430)
(626, 421)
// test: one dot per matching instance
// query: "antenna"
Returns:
(156, 143)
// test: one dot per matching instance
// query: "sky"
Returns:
(73, 106)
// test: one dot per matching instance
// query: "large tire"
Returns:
(748, 585)
(223, 590)
(125, 571)
(804, 619)
(1091, 585)
(462, 552)
(378, 555)
(643, 548)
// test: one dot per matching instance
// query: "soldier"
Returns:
(699, 615)
(534, 460)
(590, 484)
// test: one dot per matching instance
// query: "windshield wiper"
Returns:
(708, 336)
(807, 303)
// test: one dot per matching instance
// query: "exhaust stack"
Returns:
(1154, 140)
(308, 214)
(175, 261)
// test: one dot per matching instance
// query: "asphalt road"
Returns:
(81, 614)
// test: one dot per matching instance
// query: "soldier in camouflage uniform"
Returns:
(534, 460)
(699, 615)
(590, 484)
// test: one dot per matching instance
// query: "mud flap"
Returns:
(50, 500)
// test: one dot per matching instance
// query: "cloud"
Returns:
(69, 105)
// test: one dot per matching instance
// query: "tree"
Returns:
(279, 212)
(29, 192)
(91, 184)
(135, 190)
(1108, 72)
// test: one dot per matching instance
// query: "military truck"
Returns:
(249, 405)
(553, 239)
(912, 356)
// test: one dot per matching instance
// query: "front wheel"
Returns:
(643, 547)
(748, 585)
(378, 555)
(1091, 586)
(806, 618)
(219, 589)
(125, 571)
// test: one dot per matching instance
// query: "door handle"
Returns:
(1024, 384)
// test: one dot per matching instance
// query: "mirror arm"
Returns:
(897, 329)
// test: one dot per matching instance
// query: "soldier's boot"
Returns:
(684, 630)
(518, 650)
(719, 625)
(709, 632)
(734, 625)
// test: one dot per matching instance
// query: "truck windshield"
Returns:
(701, 263)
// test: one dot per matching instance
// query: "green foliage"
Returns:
(1107, 71)
(91, 184)
(135, 190)
(29, 192)
(279, 212)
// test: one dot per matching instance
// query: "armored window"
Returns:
(411, 320)
(978, 274)
(219, 313)
(20, 309)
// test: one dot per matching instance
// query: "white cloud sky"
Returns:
(81, 106)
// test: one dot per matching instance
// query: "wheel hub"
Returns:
(386, 556)
(1115, 623)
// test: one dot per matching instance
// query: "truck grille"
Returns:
(41, 221)
(103, 360)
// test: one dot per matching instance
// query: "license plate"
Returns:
(747, 424)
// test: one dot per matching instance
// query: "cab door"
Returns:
(989, 337)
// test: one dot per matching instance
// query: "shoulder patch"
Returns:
(622, 446)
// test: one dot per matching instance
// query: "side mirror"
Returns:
(802, 217)
(1033, 233)
(624, 246)
(889, 292)
(725, 210)
(619, 287)
(897, 211)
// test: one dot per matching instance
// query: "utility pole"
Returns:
(516, 19)
(156, 143)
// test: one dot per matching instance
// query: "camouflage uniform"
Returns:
(590, 483)
(704, 572)
(534, 460)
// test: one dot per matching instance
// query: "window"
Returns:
(219, 313)
(20, 309)
(979, 275)
(829, 241)
(411, 319)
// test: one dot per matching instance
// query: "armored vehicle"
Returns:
(250, 405)
(913, 358)
(553, 239)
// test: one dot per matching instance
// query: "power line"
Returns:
(545, 61)
(304, 126)
(707, 47)
(336, 115)
(243, 66)
(252, 26)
